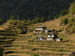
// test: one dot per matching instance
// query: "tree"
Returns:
(35, 55)
(72, 8)
(1, 21)
(12, 17)
(42, 19)
(1, 51)
(64, 12)
(64, 21)
(38, 19)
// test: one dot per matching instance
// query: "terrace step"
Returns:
(17, 55)
(22, 47)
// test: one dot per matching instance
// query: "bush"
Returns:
(72, 8)
(12, 17)
(56, 16)
(71, 30)
(38, 19)
(1, 21)
(71, 22)
(64, 12)
(35, 55)
(1, 51)
(71, 25)
(64, 21)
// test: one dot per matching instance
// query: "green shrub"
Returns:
(1, 21)
(38, 19)
(71, 22)
(1, 51)
(12, 17)
(35, 55)
(71, 25)
(64, 21)
(72, 8)
(56, 16)
(64, 12)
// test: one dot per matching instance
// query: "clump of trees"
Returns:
(19, 25)
(35, 55)
(64, 21)
(1, 21)
(72, 8)
(16, 26)
(38, 19)
(1, 51)
(70, 24)
(64, 12)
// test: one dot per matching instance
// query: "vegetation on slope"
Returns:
(1, 52)
(32, 8)
(69, 21)
(72, 8)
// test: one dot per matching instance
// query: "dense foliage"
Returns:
(69, 23)
(32, 8)
(72, 8)
(1, 52)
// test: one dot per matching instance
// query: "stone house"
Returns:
(52, 36)
(39, 29)
(40, 38)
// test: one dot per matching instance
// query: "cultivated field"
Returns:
(25, 46)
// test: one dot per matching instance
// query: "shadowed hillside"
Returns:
(17, 37)
(32, 8)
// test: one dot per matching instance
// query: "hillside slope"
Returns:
(25, 45)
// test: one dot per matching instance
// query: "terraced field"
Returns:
(25, 46)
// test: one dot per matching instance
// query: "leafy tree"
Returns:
(38, 19)
(42, 19)
(72, 22)
(56, 16)
(12, 17)
(35, 55)
(71, 25)
(1, 21)
(72, 8)
(1, 51)
(64, 21)
(64, 12)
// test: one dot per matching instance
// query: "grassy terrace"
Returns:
(22, 46)
(26, 46)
